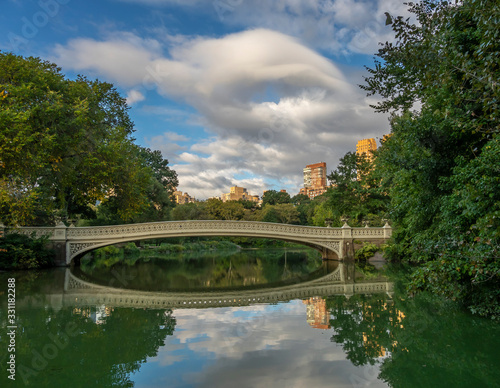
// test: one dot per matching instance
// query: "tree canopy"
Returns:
(66, 144)
(439, 82)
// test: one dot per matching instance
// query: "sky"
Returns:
(232, 92)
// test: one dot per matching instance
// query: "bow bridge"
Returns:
(70, 242)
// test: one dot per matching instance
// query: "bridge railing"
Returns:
(202, 225)
(61, 232)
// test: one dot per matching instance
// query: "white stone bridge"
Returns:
(334, 243)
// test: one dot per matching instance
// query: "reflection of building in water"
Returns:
(97, 314)
(372, 343)
(371, 338)
(317, 314)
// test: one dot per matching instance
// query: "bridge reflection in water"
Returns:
(340, 281)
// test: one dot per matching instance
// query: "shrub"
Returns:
(18, 251)
(366, 251)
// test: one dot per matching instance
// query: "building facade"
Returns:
(314, 180)
(236, 193)
(183, 198)
(365, 146)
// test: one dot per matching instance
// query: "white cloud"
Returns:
(271, 104)
(134, 96)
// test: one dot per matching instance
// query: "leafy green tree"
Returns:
(214, 208)
(65, 145)
(300, 199)
(355, 193)
(440, 164)
(273, 197)
(249, 205)
(191, 211)
(232, 210)
(284, 213)
(18, 251)
(160, 188)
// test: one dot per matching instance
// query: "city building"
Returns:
(314, 180)
(182, 198)
(365, 146)
(236, 193)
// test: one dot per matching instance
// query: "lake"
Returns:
(249, 318)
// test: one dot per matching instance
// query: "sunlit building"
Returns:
(365, 146)
(182, 198)
(314, 180)
(236, 193)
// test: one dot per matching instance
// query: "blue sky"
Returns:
(233, 92)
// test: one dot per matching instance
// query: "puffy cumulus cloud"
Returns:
(270, 104)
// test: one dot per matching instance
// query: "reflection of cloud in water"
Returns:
(252, 346)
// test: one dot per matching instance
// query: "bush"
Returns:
(18, 251)
(366, 251)
(131, 250)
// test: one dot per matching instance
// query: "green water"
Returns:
(349, 338)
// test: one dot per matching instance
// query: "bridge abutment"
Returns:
(59, 245)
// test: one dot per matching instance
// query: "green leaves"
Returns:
(66, 144)
(440, 164)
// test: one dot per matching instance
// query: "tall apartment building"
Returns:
(365, 146)
(314, 180)
(236, 193)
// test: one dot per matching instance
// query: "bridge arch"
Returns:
(71, 242)
(326, 248)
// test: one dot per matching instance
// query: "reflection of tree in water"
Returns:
(419, 341)
(363, 326)
(244, 268)
(98, 355)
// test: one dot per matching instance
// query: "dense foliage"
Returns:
(440, 165)
(66, 144)
(18, 251)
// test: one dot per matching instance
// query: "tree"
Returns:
(191, 211)
(232, 210)
(440, 164)
(273, 197)
(66, 144)
(214, 208)
(284, 213)
(355, 193)
(304, 206)
(161, 186)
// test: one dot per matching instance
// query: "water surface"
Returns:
(344, 338)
